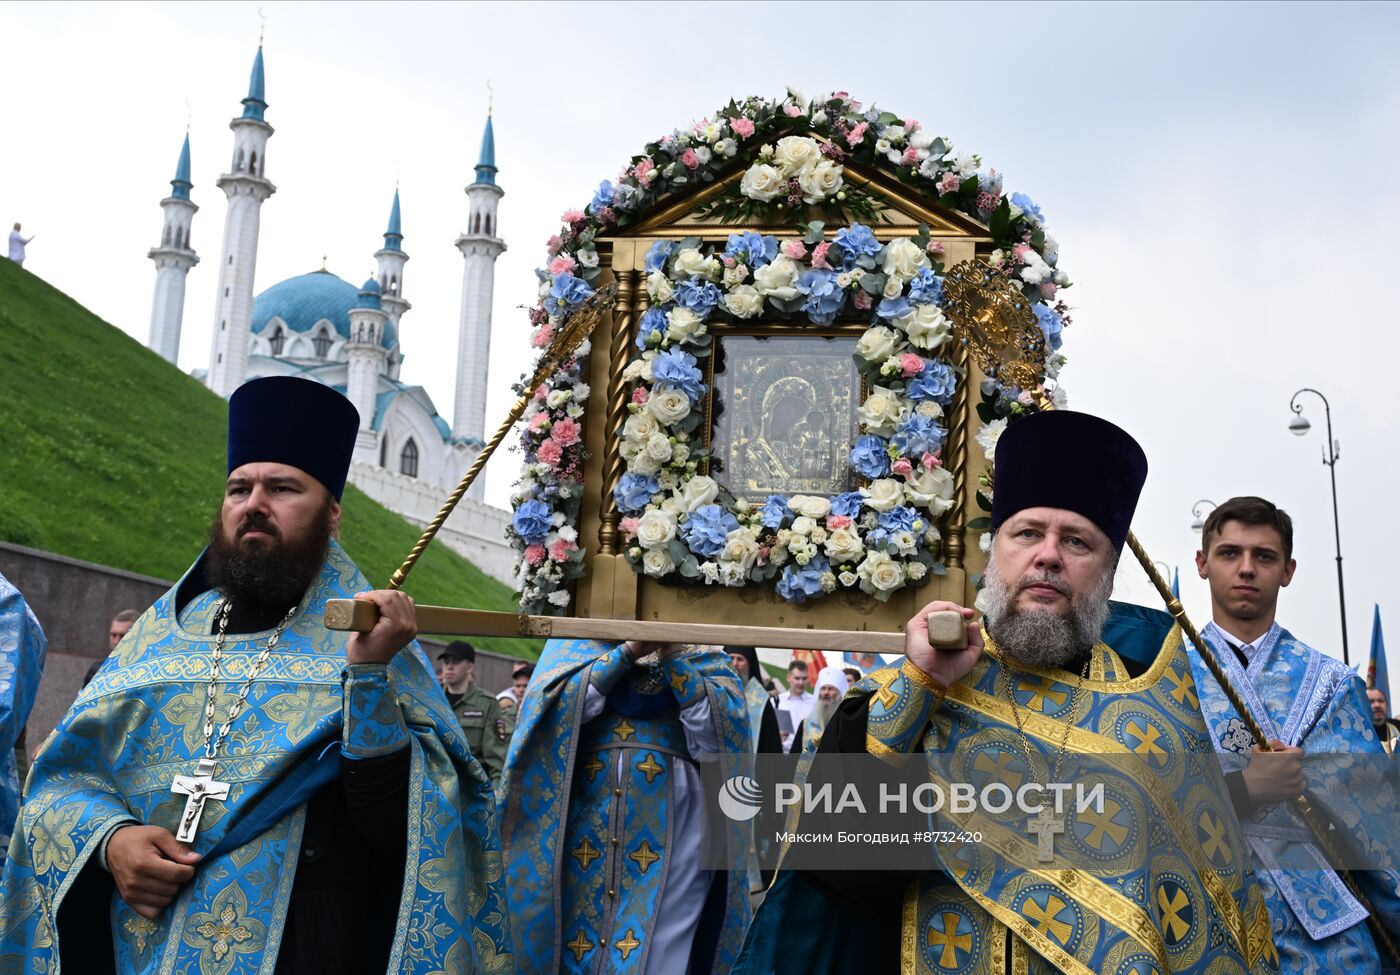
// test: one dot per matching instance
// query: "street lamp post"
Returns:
(1198, 518)
(1299, 426)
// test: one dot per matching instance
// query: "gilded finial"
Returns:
(262, 28)
(323, 263)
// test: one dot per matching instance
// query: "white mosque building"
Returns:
(322, 327)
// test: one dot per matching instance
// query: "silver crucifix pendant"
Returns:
(199, 787)
(1045, 826)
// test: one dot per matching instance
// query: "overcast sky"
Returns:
(1221, 180)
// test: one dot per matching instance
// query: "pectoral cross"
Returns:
(199, 788)
(1045, 826)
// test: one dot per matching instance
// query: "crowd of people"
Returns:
(238, 788)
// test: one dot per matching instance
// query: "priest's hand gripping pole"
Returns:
(992, 317)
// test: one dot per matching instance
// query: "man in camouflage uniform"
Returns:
(477, 712)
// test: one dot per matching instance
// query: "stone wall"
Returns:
(75, 601)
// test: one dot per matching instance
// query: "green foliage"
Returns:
(110, 454)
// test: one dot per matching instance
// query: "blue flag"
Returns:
(1376, 675)
(1176, 583)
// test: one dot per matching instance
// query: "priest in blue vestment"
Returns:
(22, 647)
(240, 790)
(603, 815)
(1146, 882)
(1315, 712)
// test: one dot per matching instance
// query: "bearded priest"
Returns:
(1148, 879)
(241, 790)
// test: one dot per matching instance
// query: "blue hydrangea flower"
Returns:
(1028, 207)
(926, 288)
(659, 254)
(937, 382)
(869, 457)
(532, 521)
(892, 308)
(752, 248)
(918, 435)
(634, 491)
(856, 241)
(698, 295)
(627, 197)
(824, 295)
(775, 512)
(603, 197)
(676, 368)
(898, 519)
(877, 539)
(565, 292)
(652, 323)
(847, 505)
(705, 530)
(1051, 324)
(800, 583)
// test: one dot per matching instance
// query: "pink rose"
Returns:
(534, 554)
(949, 183)
(563, 264)
(629, 527)
(561, 550)
(911, 156)
(856, 135)
(835, 522)
(792, 111)
(910, 364)
(640, 395)
(572, 216)
(543, 336)
(690, 159)
(794, 249)
(819, 255)
(861, 299)
(932, 460)
(541, 391)
(1019, 251)
(550, 453)
(538, 422)
(934, 247)
(742, 127)
(565, 432)
(553, 244)
(902, 467)
(645, 170)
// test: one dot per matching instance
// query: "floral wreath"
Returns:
(679, 523)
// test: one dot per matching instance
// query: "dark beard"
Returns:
(268, 577)
(1043, 639)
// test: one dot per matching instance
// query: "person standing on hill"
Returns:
(17, 244)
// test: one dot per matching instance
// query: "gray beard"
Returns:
(1044, 639)
(825, 709)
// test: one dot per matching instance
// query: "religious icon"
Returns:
(788, 418)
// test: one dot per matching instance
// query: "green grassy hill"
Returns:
(110, 454)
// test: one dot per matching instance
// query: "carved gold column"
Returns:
(959, 420)
(618, 352)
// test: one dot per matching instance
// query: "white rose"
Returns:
(643, 464)
(658, 447)
(894, 287)
(691, 263)
(637, 369)
(656, 562)
(988, 436)
(797, 154)
(640, 427)
(880, 575)
(878, 344)
(683, 325)
(927, 327)
(931, 490)
(659, 287)
(848, 579)
(884, 494)
(803, 526)
(810, 506)
(778, 279)
(655, 529)
(739, 548)
(557, 398)
(930, 409)
(668, 406)
(904, 258)
(821, 182)
(735, 275)
(697, 492)
(763, 182)
(680, 453)
(844, 545)
(916, 571)
(672, 507)
(744, 302)
(588, 258)
(882, 411)
(629, 449)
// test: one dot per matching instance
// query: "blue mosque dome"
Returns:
(369, 295)
(302, 301)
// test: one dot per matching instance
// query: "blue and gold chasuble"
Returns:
(1167, 892)
(1317, 703)
(588, 848)
(139, 724)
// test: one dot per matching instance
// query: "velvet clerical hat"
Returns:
(1072, 461)
(300, 422)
